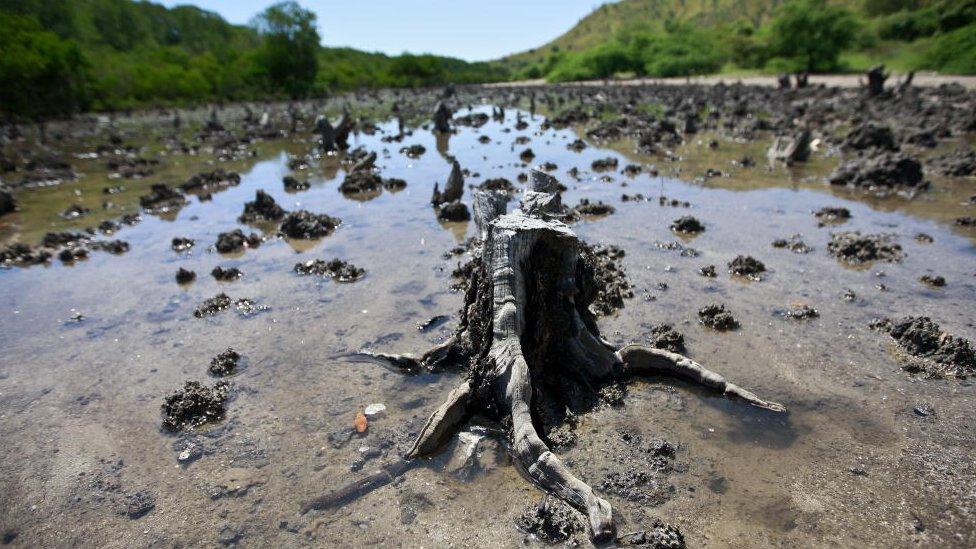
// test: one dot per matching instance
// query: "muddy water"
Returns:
(851, 465)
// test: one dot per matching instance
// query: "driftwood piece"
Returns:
(526, 324)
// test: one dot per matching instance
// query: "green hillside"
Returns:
(683, 37)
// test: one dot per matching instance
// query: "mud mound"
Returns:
(551, 521)
(262, 208)
(610, 280)
(881, 174)
(453, 211)
(664, 336)
(661, 535)
(958, 163)
(194, 405)
(870, 135)
(687, 225)
(939, 354)
(335, 269)
(855, 249)
(235, 241)
(717, 317)
(832, 215)
(794, 244)
(747, 266)
(161, 199)
(302, 224)
(225, 363)
(208, 182)
(229, 274)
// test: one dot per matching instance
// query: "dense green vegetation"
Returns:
(58, 57)
(688, 37)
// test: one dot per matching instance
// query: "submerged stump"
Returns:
(526, 328)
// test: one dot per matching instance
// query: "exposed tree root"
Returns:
(525, 327)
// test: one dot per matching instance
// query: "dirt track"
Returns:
(839, 80)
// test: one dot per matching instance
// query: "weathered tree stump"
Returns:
(442, 117)
(525, 328)
(876, 80)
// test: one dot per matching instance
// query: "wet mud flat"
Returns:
(305, 249)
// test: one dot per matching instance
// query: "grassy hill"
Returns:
(611, 18)
(736, 35)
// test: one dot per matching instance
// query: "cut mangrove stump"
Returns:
(526, 322)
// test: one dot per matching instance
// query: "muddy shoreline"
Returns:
(670, 180)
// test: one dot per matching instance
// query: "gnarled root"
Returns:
(644, 360)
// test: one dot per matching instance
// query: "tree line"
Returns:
(59, 57)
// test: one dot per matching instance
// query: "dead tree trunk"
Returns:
(526, 328)
(876, 80)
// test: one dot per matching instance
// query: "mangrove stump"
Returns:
(526, 334)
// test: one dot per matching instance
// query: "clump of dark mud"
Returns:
(208, 182)
(936, 281)
(604, 164)
(185, 276)
(881, 174)
(226, 275)
(162, 199)
(181, 244)
(855, 249)
(708, 271)
(500, 184)
(643, 472)
(213, 305)
(747, 266)
(610, 280)
(361, 182)
(687, 225)
(794, 244)
(661, 535)
(225, 363)
(336, 269)
(717, 317)
(931, 350)
(195, 405)
(302, 224)
(262, 208)
(664, 336)
(832, 215)
(550, 521)
(595, 209)
(870, 135)
(966, 221)
(115, 247)
(958, 163)
(455, 211)
(19, 253)
(413, 151)
(801, 311)
(235, 241)
(293, 184)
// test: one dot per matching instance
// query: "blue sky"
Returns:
(475, 31)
